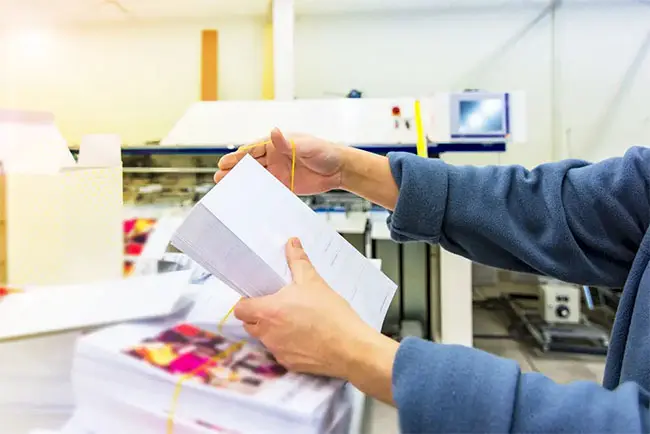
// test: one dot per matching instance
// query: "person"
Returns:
(572, 220)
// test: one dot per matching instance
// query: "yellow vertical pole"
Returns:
(268, 88)
(209, 65)
(421, 145)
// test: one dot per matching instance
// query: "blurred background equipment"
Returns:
(560, 303)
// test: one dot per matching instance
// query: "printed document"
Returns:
(239, 230)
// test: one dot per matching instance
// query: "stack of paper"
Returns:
(125, 378)
(39, 328)
(35, 382)
(239, 230)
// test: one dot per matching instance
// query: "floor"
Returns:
(382, 419)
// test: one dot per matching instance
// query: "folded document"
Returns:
(239, 230)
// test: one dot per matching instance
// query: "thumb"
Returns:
(280, 142)
(301, 267)
(250, 310)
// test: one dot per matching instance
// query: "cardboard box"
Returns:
(60, 221)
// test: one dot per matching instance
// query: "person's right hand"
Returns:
(309, 328)
(319, 163)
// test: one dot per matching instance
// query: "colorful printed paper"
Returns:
(136, 233)
(186, 349)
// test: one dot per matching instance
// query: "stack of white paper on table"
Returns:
(39, 328)
(125, 379)
(35, 388)
(239, 230)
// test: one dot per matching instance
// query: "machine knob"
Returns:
(562, 311)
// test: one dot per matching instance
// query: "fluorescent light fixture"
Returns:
(31, 43)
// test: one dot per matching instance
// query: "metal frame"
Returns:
(434, 148)
(582, 338)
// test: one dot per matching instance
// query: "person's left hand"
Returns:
(307, 326)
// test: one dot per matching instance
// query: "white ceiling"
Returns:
(107, 10)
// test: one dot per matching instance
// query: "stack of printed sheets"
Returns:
(183, 375)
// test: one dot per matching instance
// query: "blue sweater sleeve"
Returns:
(575, 221)
(456, 389)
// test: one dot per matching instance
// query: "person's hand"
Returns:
(311, 329)
(306, 325)
(319, 163)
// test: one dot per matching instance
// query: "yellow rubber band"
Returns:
(238, 345)
(293, 166)
(177, 390)
(225, 318)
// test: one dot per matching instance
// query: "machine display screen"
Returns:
(479, 115)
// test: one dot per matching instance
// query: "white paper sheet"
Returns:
(100, 150)
(212, 302)
(158, 239)
(47, 309)
(239, 230)
(30, 142)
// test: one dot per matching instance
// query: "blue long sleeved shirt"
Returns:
(572, 220)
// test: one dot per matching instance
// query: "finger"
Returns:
(262, 160)
(252, 329)
(280, 142)
(258, 150)
(221, 173)
(229, 161)
(249, 310)
(218, 176)
(301, 267)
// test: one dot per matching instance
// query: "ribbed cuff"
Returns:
(420, 209)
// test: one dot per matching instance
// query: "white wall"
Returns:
(136, 78)
(570, 68)
(604, 106)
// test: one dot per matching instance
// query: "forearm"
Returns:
(448, 388)
(571, 220)
(368, 175)
(369, 365)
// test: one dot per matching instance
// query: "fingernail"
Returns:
(295, 242)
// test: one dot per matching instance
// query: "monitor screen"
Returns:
(481, 116)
